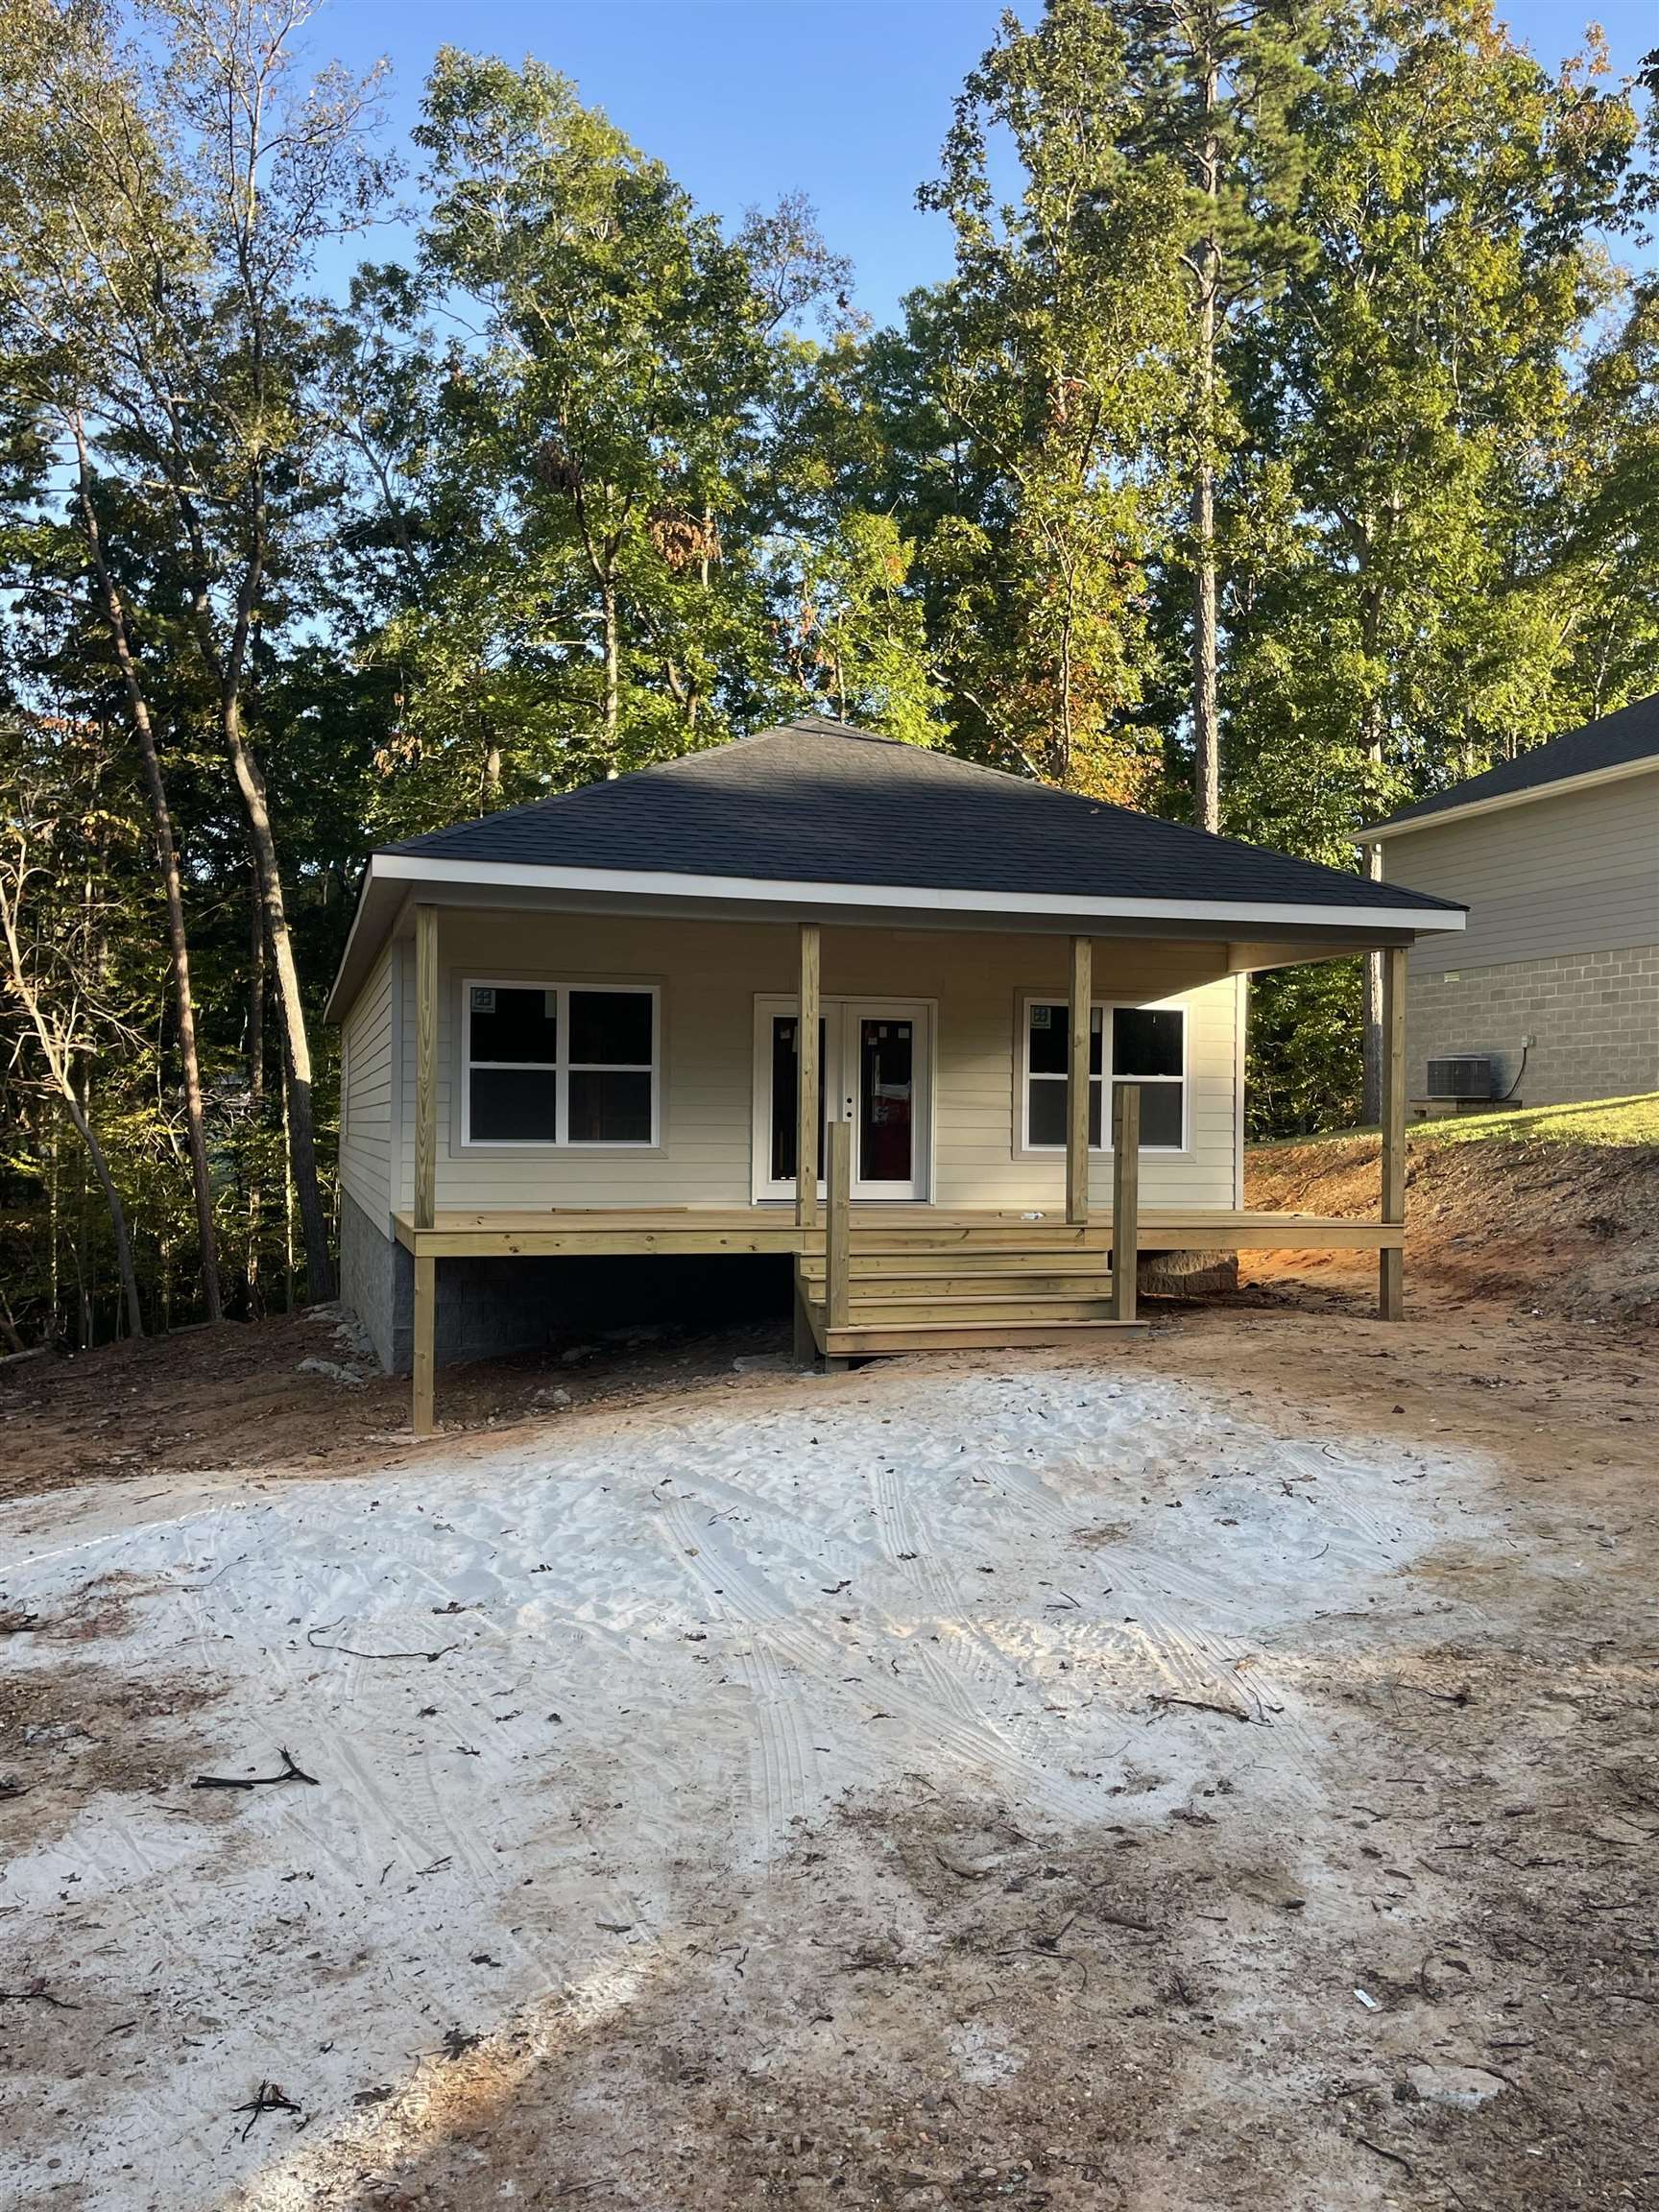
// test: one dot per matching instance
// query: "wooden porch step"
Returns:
(1000, 1306)
(968, 1280)
(969, 1259)
(989, 1237)
(862, 1342)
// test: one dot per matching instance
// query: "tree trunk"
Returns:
(256, 1086)
(613, 670)
(1206, 708)
(167, 854)
(302, 1133)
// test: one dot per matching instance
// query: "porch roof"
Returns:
(817, 816)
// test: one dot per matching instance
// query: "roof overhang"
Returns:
(1592, 778)
(392, 878)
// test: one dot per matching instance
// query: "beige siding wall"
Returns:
(1562, 945)
(366, 1105)
(710, 974)
(1574, 873)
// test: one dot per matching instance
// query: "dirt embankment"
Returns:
(1561, 1228)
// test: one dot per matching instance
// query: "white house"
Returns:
(574, 1030)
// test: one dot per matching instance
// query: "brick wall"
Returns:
(1595, 1017)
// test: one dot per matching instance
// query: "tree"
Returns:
(858, 643)
(58, 966)
(193, 184)
(1048, 359)
(65, 223)
(1412, 400)
(1215, 86)
(599, 597)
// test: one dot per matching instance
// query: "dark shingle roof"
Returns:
(817, 801)
(1616, 742)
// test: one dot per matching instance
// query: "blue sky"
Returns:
(845, 100)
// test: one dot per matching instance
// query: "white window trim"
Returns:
(563, 1066)
(1106, 1008)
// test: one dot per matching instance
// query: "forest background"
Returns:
(1280, 444)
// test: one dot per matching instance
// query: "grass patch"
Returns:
(1612, 1121)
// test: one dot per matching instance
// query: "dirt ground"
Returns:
(1430, 1983)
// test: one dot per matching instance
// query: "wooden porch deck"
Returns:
(901, 1278)
(606, 1230)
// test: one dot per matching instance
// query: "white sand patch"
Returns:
(678, 1640)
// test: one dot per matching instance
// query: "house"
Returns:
(611, 1023)
(1551, 994)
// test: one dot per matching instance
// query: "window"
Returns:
(1148, 1047)
(558, 1064)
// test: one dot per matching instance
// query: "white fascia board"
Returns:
(657, 883)
(1380, 832)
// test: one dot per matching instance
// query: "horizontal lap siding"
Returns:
(1568, 873)
(707, 974)
(366, 1107)
(977, 1156)
(710, 974)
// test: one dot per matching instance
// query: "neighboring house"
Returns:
(1555, 981)
(575, 1029)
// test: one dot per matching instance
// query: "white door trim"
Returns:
(840, 1010)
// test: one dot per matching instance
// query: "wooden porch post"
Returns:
(1392, 1266)
(425, 1161)
(423, 1421)
(1077, 1087)
(806, 1007)
(1125, 1198)
(838, 1233)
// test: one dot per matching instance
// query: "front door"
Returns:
(874, 1064)
(881, 1071)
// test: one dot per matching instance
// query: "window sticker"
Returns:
(484, 999)
(1041, 1017)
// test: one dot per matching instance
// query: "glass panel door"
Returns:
(884, 1053)
(887, 1102)
(783, 1134)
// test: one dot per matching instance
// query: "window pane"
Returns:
(1160, 1115)
(1047, 1111)
(1147, 1041)
(1048, 1040)
(886, 1097)
(606, 1108)
(513, 1023)
(512, 1105)
(1096, 1106)
(1051, 1040)
(611, 1026)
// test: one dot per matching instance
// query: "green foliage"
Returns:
(1322, 301)
(1302, 1062)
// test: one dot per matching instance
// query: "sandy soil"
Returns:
(792, 1903)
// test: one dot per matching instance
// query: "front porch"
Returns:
(906, 1277)
(903, 1273)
